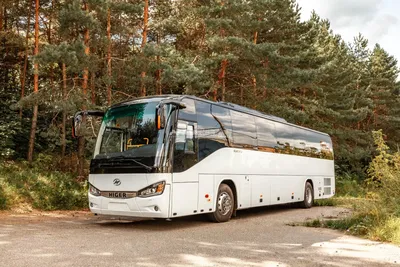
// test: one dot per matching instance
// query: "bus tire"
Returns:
(225, 204)
(308, 197)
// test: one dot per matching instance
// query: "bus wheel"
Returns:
(308, 197)
(225, 204)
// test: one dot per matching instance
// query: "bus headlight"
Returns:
(94, 191)
(152, 190)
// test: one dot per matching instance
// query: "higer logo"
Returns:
(117, 182)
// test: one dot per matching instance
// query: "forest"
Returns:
(58, 57)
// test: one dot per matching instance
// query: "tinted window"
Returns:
(298, 141)
(223, 116)
(319, 145)
(185, 153)
(265, 135)
(244, 130)
(188, 113)
(210, 134)
(289, 138)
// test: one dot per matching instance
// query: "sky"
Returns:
(377, 20)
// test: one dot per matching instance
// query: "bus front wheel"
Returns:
(225, 204)
(308, 196)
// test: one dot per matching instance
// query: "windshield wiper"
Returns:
(122, 158)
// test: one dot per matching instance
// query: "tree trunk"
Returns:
(1, 18)
(93, 87)
(221, 80)
(265, 77)
(81, 157)
(158, 73)
(87, 52)
(144, 41)
(224, 63)
(36, 86)
(4, 18)
(253, 77)
(52, 86)
(81, 139)
(64, 115)
(109, 70)
(158, 80)
(145, 22)
(23, 78)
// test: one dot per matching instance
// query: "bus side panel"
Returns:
(184, 199)
(260, 190)
(207, 193)
(287, 189)
(243, 188)
(324, 187)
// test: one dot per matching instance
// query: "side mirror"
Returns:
(160, 117)
(161, 111)
(175, 103)
(78, 121)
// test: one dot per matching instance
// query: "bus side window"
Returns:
(185, 146)
(284, 138)
(266, 140)
(244, 130)
(188, 113)
(300, 143)
(189, 140)
(223, 115)
(211, 136)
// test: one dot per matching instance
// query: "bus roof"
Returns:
(228, 105)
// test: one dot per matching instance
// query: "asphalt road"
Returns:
(261, 237)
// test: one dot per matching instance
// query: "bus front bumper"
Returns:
(138, 207)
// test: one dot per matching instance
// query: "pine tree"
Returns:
(257, 53)
(36, 85)
(338, 114)
(109, 47)
(383, 73)
(25, 66)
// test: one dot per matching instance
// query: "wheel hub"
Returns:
(308, 195)
(224, 203)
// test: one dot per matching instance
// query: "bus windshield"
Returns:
(129, 132)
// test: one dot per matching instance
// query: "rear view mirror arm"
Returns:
(95, 113)
(79, 117)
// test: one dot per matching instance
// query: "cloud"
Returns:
(377, 20)
(371, 18)
(381, 26)
(344, 13)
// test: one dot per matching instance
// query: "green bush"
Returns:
(45, 190)
(349, 185)
(3, 198)
(377, 214)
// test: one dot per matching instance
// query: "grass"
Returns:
(373, 217)
(356, 225)
(375, 202)
(33, 187)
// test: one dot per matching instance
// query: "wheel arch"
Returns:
(308, 180)
(232, 185)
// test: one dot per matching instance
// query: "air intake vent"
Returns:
(327, 182)
(327, 191)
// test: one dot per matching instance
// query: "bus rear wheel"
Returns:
(225, 204)
(308, 196)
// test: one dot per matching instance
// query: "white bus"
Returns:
(172, 156)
